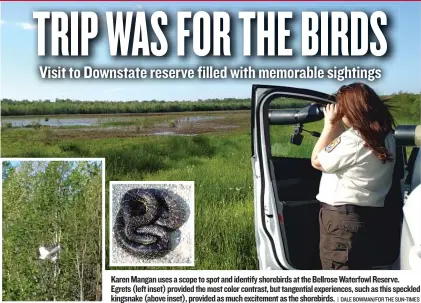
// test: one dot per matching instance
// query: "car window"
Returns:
(280, 135)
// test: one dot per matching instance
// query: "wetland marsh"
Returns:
(211, 148)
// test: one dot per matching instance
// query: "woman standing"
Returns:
(357, 166)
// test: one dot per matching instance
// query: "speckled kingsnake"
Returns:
(145, 221)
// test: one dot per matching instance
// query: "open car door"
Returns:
(286, 184)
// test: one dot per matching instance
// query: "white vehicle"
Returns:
(286, 184)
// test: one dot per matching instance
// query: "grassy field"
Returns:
(217, 160)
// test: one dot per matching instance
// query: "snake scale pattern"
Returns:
(146, 220)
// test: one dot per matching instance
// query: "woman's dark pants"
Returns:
(346, 239)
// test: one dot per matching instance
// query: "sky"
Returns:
(20, 78)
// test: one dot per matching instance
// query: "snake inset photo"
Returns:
(146, 221)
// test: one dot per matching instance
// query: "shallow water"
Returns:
(198, 118)
(23, 122)
(168, 133)
(97, 121)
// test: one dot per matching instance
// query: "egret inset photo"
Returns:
(52, 229)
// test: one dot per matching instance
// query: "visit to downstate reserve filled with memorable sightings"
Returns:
(210, 72)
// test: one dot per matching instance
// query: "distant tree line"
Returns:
(66, 106)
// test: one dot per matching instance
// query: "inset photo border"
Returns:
(53, 229)
(151, 223)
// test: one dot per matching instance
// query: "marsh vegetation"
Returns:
(46, 203)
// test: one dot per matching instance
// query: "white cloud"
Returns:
(22, 25)
(27, 26)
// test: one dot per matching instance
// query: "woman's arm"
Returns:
(329, 133)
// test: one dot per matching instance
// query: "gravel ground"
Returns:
(183, 252)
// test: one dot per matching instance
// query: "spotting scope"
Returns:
(310, 113)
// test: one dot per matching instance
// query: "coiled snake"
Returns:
(146, 220)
